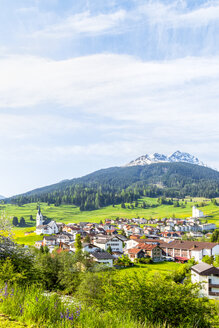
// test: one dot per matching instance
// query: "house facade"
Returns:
(103, 258)
(104, 242)
(208, 276)
(190, 249)
(47, 229)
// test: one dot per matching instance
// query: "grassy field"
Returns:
(69, 213)
(163, 268)
(6, 322)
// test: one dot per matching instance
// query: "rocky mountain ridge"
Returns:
(177, 156)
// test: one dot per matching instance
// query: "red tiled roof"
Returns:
(134, 250)
(148, 247)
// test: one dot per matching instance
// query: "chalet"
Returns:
(47, 229)
(72, 229)
(135, 240)
(49, 240)
(104, 242)
(208, 275)
(90, 248)
(154, 251)
(145, 250)
(64, 237)
(103, 258)
(170, 236)
(135, 253)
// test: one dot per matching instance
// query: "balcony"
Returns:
(213, 285)
(213, 293)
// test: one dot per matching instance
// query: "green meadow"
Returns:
(163, 268)
(70, 213)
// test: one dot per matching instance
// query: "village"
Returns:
(137, 240)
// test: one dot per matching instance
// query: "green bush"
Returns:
(156, 300)
(144, 260)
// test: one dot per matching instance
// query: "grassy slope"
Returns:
(69, 213)
(163, 268)
(6, 322)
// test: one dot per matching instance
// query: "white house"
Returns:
(47, 229)
(196, 213)
(207, 226)
(191, 249)
(208, 275)
(104, 242)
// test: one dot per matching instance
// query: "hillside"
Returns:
(127, 184)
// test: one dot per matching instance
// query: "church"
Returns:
(196, 213)
(42, 228)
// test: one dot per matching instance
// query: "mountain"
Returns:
(2, 197)
(178, 156)
(127, 184)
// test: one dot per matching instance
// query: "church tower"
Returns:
(39, 218)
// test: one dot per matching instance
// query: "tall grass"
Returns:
(32, 306)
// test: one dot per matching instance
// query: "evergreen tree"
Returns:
(123, 205)
(22, 222)
(15, 221)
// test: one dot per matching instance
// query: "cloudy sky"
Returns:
(90, 84)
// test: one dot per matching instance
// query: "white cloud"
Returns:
(116, 86)
(83, 23)
(170, 15)
(25, 126)
(160, 105)
(179, 15)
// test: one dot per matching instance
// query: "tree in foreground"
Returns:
(78, 243)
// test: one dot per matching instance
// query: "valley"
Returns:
(72, 214)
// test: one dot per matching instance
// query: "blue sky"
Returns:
(90, 84)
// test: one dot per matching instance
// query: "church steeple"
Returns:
(39, 217)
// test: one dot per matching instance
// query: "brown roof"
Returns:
(190, 245)
(134, 250)
(148, 247)
(205, 269)
(148, 241)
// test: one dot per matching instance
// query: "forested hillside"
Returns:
(126, 184)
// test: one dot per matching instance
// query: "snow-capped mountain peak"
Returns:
(177, 156)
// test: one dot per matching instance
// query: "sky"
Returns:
(90, 84)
